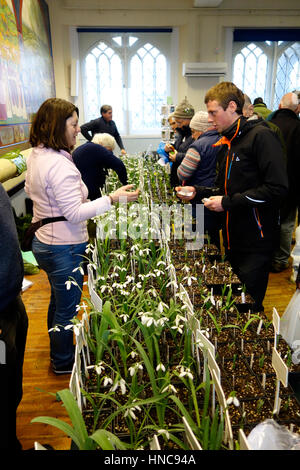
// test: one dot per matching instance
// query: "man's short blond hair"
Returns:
(106, 140)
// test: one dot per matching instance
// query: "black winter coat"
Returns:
(253, 179)
(289, 124)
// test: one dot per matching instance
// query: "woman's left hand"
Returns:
(124, 193)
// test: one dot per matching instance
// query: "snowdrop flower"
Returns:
(119, 383)
(135, 368)
(179, 318)
(107, 381)
(163, 431)
(99, 367)
(124, 317)
(69, 284)
(233, 400)
(173, 283)
(169, 388)
(54, 329)
(138, 285)
(185, 371)
(130, 411)
(74, 327)
(160, 367)
(161, 306)
(205, 332)
(178, 328)
(185, 268)
(80, 269)
(190, 279)
(161, 263)
(152, 292)
(133, 354)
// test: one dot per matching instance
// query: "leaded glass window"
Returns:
(268, 69)
(131, 74)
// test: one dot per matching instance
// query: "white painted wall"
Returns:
(203, 34)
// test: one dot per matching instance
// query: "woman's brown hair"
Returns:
(49, 124)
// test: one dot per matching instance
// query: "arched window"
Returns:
(131, 74)
(250, 70)
(288, 72)
(268, 69)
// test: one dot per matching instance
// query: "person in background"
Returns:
(104, 124)
(94, 158)
(13, 325)
(55, 186)
(250, 114)
(198, 168)
(261, 108)
(288, 122)
(183, 114)
(251, 181)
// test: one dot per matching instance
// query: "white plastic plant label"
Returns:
(204, 343)
(280, 368)
(276, 321)
(96, 301)
(190, 436)
(212, 364)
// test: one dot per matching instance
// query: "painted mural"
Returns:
(26, 66)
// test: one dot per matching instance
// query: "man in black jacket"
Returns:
(103, 124)
(250, 184)
(288, 122)
(13, 325)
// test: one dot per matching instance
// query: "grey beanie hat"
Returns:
(200, 121)
(184, 110)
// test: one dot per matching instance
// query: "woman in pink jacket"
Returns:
(55, 186)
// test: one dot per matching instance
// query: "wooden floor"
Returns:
(40, 384)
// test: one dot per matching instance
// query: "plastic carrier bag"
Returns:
(295, 255)
(269, 435)
(290, 322)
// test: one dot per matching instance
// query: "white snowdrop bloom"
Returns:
(152, 292)
(179, 318)
(141, 276)
(165, 432)
(178, 328)
(160, 367)
(233, 400)
(161, 263)
(54, 329)
(212, 299)
(186, 268)
(80, 269)
(124, 292)
(124, 317)
(150, 321)
(130, 412)
(114, 274)
(69, 284)
(107, 381)
(150, 275)
(186, 371)
(172, 283)
(205, 332)
(99, 367)
(133, 354)
(161, 307)
(169, 388)
(122, 386)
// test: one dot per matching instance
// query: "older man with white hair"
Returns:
(286, 118)
(94, 158)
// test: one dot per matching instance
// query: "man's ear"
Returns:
(232, 107)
